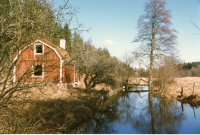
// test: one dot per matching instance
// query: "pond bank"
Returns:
(186, 90)
(66, 108)
(190, 86)
(58, 109)
(141, 113)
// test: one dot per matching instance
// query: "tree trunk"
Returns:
(86, 84)
(91, 82)
(151, 66)
(151, 55)
(150, 71)
(152, 113)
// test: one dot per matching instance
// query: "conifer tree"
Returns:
(67, 37)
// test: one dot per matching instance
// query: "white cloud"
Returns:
(109, 42)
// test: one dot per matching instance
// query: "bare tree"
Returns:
(157, 37)
(195, 25)
(125, 69)
(165, 72)
(94, 64)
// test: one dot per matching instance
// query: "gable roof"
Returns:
(64, 54)
(61, 53)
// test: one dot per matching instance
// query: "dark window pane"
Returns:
(38, 70)
(39, 48)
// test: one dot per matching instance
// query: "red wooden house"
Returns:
(41, 61)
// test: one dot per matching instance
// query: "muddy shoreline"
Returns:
(193, 100)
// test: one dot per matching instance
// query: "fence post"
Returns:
(181, 91)
(193, 88)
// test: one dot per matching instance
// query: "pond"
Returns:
(141, 113)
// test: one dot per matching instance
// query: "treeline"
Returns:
(97, 66)
(190, 69)
(189, 65)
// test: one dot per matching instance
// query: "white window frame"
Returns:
(34, 69)
(35, 49)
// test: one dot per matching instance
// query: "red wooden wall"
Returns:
(69, 74)
(51, 67)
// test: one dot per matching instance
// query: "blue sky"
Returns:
(113, 24)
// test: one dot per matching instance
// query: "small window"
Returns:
(39, 49)
(38, 70)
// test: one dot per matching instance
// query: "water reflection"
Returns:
(136, 113)
(161, 116)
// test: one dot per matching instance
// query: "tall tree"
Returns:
(67, 35)
(157, 38)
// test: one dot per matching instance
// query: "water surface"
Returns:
(144, 112)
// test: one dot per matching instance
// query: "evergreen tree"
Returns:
(67, 37)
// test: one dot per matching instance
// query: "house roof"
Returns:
(62, 54)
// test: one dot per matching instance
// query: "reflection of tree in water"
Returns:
(104, 118)
(155, 115)
(162, 116)
(147, 115)
(99, 124)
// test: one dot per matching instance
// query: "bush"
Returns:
(165, 75)
(195, 71)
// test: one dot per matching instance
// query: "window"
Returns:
(39, 49)
(38, 70)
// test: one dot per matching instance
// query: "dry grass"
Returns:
(55, 114)
(136, 80)
(50, 109)
(175, 89)
(187, 84)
